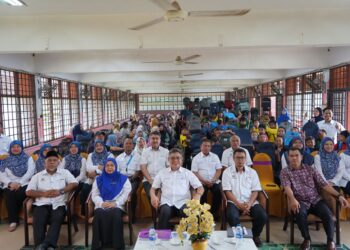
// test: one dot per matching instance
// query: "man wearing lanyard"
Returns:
(129, 165)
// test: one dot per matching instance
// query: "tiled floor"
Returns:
(15, 240)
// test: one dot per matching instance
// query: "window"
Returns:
(18, 110)
(340, 77)
(157, 102)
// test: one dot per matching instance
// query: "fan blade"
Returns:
(218, 13)
(158, 62)
(194, 74)
(190, 58)
(176, 5)
(191, 62)
(148, 24)
(164, 4)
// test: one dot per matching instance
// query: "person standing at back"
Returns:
(153, 159)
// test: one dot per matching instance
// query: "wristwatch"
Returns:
(62, 191)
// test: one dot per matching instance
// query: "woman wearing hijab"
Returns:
(75, 164)
(345, 163)
(327, 163)
(297, 143)
(94, 167)
(109, 193)
(15, 173)
(140, 145)
(284, 117)
(40, 162)
(318, 115)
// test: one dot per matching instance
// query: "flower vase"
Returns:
(200, 245)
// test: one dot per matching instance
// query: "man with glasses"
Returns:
(241, 186)
(174, 183)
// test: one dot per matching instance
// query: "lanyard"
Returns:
(128, 163)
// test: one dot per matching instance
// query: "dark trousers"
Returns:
(147, 187)
(44, 216)
(84, 194)
(347, 188)
(134, 186)
(14, 203)
(257, 212)
(107, 229)
(216, 194)
(166, 213)
(321, 210)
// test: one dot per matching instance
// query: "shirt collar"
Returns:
(243, 169)
(58, 171)
(203, 155)
(181, 169)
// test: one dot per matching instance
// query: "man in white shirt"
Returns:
(331, 127)
(207, 167)
(153, 160)
(174, 183)
(129, 165)
(241, 186)
(227, 155)
(49, 189)
(5, 142)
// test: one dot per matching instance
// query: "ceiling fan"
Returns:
(192, 74)
(178, 60)
(174, 13)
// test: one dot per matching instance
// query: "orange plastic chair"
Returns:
(263, 166)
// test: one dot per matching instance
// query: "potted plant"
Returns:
(198, 224)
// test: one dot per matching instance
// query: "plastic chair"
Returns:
(314, 153)
(263, 166)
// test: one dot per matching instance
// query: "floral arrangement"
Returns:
(198, 223)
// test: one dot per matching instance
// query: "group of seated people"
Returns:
(139, 152)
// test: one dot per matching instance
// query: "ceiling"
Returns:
(89, 41)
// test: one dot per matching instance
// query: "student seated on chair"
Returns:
(174, 183)
(49, 188)
(109, 193)
(153, 160)
(207, 167)
(15, 172)
(301, 184)
(241, 186)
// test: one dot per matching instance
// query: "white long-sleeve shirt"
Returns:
(90, 167)
(119, 200)
(7, 176)
(337, 177)
(344, 163)
(82, 176)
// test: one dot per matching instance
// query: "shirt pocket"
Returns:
(247, 182)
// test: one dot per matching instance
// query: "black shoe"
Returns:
(306, 245)
(257, 241)
(42, 246)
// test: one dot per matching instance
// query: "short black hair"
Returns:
(175, 151)
(283, 128)
(309, 138)
(156, 133)
(239, 150)
(204, 140)
(295, 149)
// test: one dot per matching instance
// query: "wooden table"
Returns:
(247, 244)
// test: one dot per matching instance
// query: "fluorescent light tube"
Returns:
(14, 2)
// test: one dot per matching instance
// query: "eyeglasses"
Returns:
(240, 158)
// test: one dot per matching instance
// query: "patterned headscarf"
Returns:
(73, 162)
(18, 164)
(40, 163)
(99, 158)
(329, 161)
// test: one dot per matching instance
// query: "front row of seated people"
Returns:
(110, 188)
